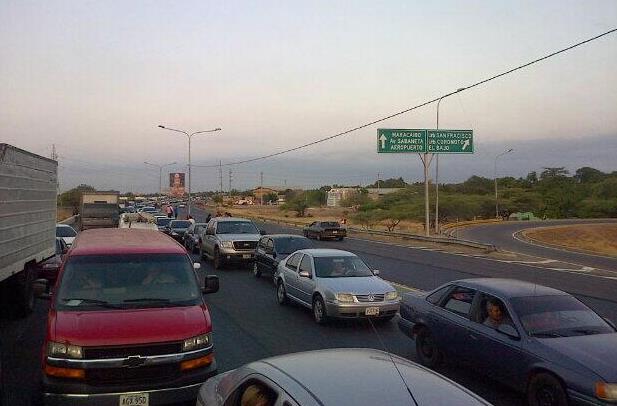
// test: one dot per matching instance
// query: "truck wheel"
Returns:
(23, 292)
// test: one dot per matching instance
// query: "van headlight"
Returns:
(197, 342)
(344, 297)
(64, 350)
(227, 244)
(392, 295)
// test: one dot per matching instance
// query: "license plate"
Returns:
(246, 256)
(372, 311)
(134, 399)
(334, 232)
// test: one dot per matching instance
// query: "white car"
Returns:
(66, 232)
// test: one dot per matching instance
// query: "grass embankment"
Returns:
(593, 238)
(313, 214)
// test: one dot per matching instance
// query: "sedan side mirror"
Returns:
(508, 330)
(196, 265)
(211, 284)
(304, 274)
(376, 272)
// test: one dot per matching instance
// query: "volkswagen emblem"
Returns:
(134, 361)
(371, 298)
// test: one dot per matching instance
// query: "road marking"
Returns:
(529, 241)
(403, 287)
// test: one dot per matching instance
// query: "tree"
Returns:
(358, 198)
(556, 172)
(271, 197)
(389, 183)
(218, 199)
(297, 204)
(532, 178)
(72, 198)
(588, 175)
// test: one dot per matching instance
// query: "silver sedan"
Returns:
(334, 284)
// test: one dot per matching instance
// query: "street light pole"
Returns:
(437, 164)
(189, 136)
(495, 177)
(160, 173)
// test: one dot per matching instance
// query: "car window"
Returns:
(459, 300)
(292, 263)
(341, 267)
(270, 245)
(262, 243)
(66, 231)
(287, 245)
(180, 224)
(211, 226)
(305, 264)
(490, 311)
(436, 296)
(253, 392)
(236, 227)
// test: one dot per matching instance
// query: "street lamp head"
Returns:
(161, 126)
(217, 129)
(460, 89)
(510, 150)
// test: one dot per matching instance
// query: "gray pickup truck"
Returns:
(229, 239)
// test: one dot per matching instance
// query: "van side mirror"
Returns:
(508, 330)
(211, 284)
(196, 265)
(304, 274)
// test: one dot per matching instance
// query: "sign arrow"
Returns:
(383, 140)
(465, 145)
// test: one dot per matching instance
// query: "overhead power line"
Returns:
(379, 120)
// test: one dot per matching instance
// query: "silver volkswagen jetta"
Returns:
(335, 283)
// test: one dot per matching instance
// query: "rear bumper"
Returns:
(358, 310)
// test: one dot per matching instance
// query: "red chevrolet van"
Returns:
(127, 324)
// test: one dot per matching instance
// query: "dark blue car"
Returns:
(537, 340)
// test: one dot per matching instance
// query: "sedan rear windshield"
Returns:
(180, 224)
(127, 281)
(287, 245)
(331, 224)
(340, 267)
(558, 316)
(65, 232)
(236, 227)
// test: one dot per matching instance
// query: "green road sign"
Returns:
(391, 140)
(398, 140)
(450, 141)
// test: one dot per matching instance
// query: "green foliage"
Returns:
(218, 199)
(389, 183)
(271, 197)
(297, 204)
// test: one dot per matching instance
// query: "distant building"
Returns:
(263, 191)
(335, 196)
(376, 193)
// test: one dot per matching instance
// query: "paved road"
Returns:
(502, 235)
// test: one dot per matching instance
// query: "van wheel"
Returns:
(545, 390)
(426, 349)
(256, 270)
(218, 261)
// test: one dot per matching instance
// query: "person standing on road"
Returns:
(169, 211)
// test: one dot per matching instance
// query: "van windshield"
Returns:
(90, 282)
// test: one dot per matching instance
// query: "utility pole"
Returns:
(230, 179)
(378, 183)
(261, 185)
(495, 177)
(54, 155)
(221, 176)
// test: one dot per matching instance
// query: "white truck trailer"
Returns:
(28, 190)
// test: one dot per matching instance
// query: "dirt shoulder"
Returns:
(589, 238)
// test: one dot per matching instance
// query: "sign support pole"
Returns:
(426, 161)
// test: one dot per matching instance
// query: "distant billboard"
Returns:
(176, 184)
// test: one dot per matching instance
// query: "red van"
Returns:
(127, 325)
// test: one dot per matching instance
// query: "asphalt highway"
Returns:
(503, 236)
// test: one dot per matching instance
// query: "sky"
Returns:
(95, 78)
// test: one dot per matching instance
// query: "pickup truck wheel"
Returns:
(281, 293)
(546, 390)
(218, 261)
(319, 311)
(426, 349)
(256, 270)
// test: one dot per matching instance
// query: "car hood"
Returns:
(238, 237)
(596, 352)
(356, 285)
(125, 327)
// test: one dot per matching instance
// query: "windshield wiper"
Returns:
(97, 302)
(586, 331)
(547, 334)
(147, 299)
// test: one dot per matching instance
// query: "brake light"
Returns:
(197, 362)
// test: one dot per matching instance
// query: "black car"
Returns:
(325, 230)
(162, 223)
(177, 228)
(273, 248)
(192, 237)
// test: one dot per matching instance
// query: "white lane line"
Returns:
(529, 241)
(404, 287)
